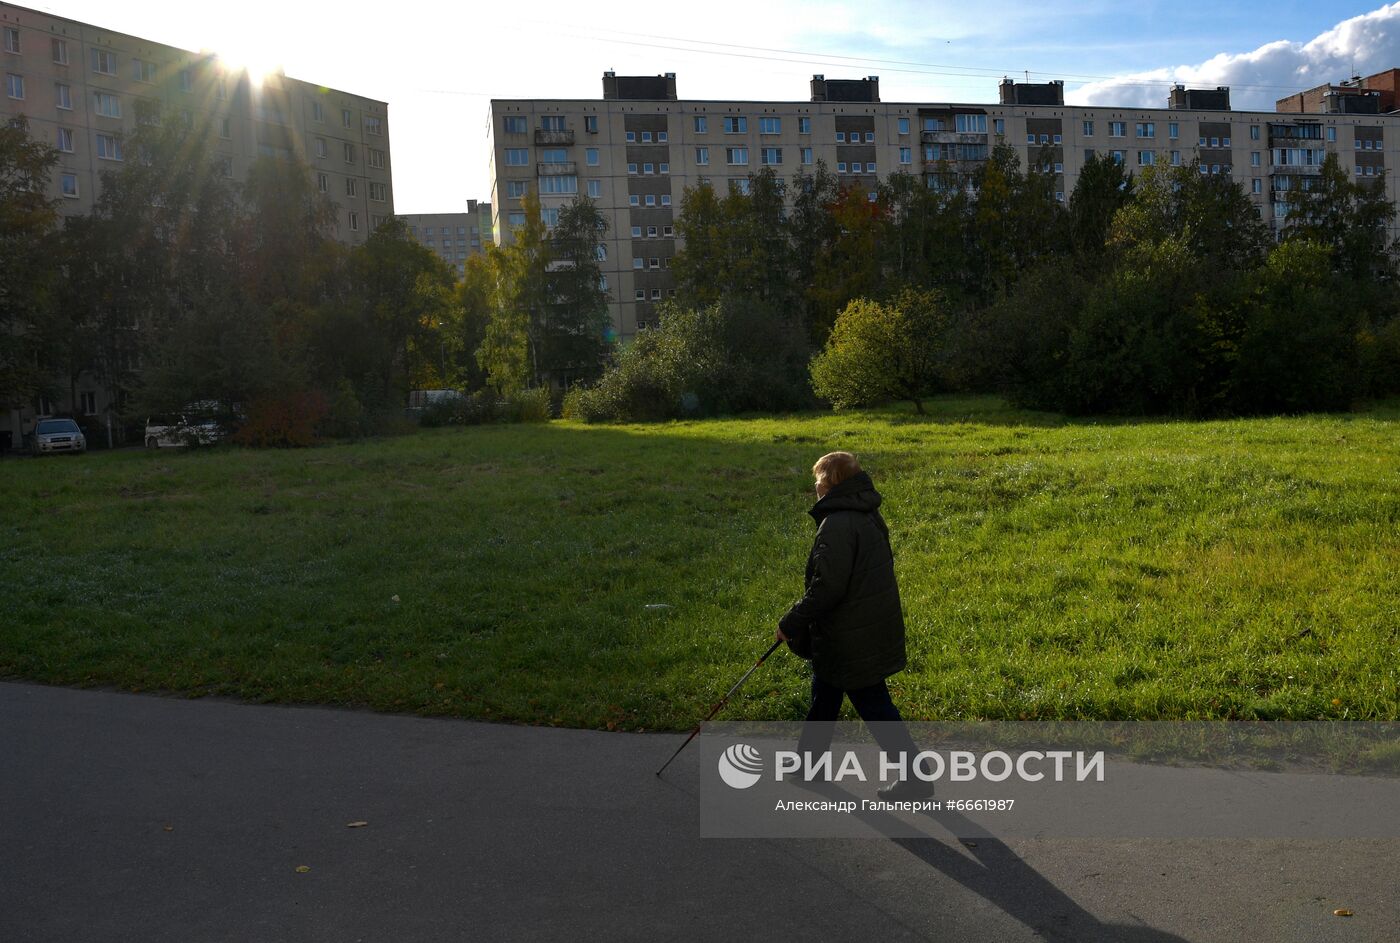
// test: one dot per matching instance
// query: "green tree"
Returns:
(574, 336)
(27, 271)
(1103, 188)
(884, 351)
(1351, 218)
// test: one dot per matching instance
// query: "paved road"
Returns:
(127, 817)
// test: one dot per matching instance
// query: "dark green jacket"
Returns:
(849, 622)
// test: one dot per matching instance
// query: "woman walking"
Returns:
(849, 622)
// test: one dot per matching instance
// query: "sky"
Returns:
(438, 64)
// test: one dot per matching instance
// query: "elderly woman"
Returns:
(849, 622)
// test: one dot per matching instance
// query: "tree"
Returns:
(884, 351)
(27, 272)
(574, 336)
(511, 349)
(1102, 190)
(1351, 218)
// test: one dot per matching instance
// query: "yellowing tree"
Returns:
(880, 351)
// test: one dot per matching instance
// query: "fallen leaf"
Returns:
(356, 824)
(170, 828)
(1341, 913)
(395, 597)
(302, 868)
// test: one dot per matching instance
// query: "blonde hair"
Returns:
(835, 467)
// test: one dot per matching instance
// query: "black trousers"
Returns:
(874, 706)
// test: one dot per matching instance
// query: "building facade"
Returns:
(84, 88)
(453, 236)
(635, 151)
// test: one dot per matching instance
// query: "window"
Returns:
(903, 125)
(771, 155)
(349, 152)
(1088, 129)
(665, 199)
(651, 199)
(225, 129)
(346, 119)
(968, 124)
(653, 263)
(590, 124)
(378, 192)
(1254, 132)
(1176, 158)
(220, 89)
(515, 189)
(65, 140)
(702, 124)
(321, 149)
(1173, 130)
(840, 137)
(668, 231)
(856, 168)
(663, 168)
(354, 222)
(1256, 186)
(636, 232)
(640, 294)
(1331, 134)
(1146, 129)
(651, 232)
(1116, 155)
(646, 137)
(648, 168)
(770, 125)
(1059, 167)
(143, 71)
(591, 156)
(350, 189)
(317, 112)
(1045, 139)
(807, 155)
(870, 137)
(554, 155)
(1117, 129)
(1215, 142)
(1254, 158)
(63, 96)
(1145, 158)
(323, 183)
(374, 125)
(638, 263)
(104, 62)
(804, 125)
(14, 85)
(376, 158)
(1030, 138)
(736, 125)
(906, 155)
(60, 50)
(999, 125)
(633, 200)
(69, 184)
(12, 40)
(595, 189)
(702, 155)
(108, 105)
(631, 168)
(559, 183)
(517, 156)
(108, 147)
(515, 219)
(841, 167)
(1225, 142)
(514, 124)
(631, 137)
(656, 294)
(736, 156)
(1055, 139)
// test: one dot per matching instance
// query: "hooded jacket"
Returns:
(849, 622)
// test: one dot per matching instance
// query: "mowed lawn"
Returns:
(624, 576)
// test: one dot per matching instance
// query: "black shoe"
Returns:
(906, 789)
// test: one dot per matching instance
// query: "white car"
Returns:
(182, 431)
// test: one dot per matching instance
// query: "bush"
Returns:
(287, 420)
(532, 405)
(733, 356)
(878, 352)
(486, 406)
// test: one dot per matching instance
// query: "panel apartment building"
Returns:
(453, 236)
(635, 150)
(84, 87)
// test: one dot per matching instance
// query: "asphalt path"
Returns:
(130, 817)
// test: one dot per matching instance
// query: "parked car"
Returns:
(52, 436)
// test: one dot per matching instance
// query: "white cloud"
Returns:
(1362, 45)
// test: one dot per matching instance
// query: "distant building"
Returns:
(635, 151)
(1372, 95)
(453, 236)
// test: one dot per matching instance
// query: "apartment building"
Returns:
(635, 151)
(453, 236)
(83, 88)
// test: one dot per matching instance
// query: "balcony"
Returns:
(554, 137)
(953, 137)
(1295, 170)
(555, 170)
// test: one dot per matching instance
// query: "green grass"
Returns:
(1049, 569)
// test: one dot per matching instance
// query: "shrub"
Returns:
(287, 420)
(533, 405)
(880, 351)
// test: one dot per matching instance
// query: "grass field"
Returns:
(623, 576)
